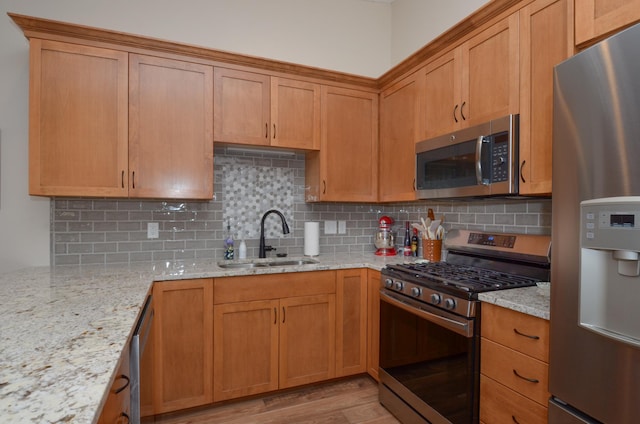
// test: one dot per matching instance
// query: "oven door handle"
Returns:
(464, 328)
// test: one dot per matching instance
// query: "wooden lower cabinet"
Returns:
(514, 368)
(118, 405)
(183, 344)
(273, 331)
(373, 323)
(351, 322)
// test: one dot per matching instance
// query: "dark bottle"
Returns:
(414, 243)
(407, 240)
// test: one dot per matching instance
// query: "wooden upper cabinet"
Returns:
(475, 82)
(401, 126)
(242, 107)
(295, 114)
(346, 167)
(490, 73)
(77, 120)
(545, 41)
(170, 128)
(261, 110)
(595, 19)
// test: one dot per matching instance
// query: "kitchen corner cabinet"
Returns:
(373, 323)
(514, 352)
(475, 82)
(351, 322)
(596, 19)
(262, 110)
(273, 331)
(545, 41)
(346, 167)
(401, 116)
(117, 408)
(170, 128)
(78, 123)
(183, 344)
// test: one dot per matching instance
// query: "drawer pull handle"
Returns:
(126, 383)
(515, 420)
(515, 330)
(530, 380)
(275, 315)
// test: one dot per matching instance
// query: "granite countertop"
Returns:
(529, 300)
(63, 329)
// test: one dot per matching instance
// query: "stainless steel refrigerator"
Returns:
(594, 365)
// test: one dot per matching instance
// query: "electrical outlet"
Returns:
(153, 230)
(330, 227)
(342, 227)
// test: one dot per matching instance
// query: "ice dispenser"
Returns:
(610, 267)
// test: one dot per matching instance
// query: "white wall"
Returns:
(353, 36)
(416, 22)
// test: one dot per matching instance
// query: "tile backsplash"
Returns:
(247, 184)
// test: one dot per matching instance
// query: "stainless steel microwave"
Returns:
(479, 161)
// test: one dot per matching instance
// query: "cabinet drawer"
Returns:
(502, 363)
(499, 405)
(522, 332)
(273, 286)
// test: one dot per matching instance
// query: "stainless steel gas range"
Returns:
(430, 322)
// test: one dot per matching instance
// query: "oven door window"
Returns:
(451, 166)
(435, 364)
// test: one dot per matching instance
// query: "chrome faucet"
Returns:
(285, 230)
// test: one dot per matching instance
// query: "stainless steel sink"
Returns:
(262, 264)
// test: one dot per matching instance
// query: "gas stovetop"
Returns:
(476, 262)
(465, 278)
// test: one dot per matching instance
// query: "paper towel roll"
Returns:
(311, 238)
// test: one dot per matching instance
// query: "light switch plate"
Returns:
(330, 227)
(153, 230)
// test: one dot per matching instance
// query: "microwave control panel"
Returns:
(500, 157)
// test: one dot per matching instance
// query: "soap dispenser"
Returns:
(242, 250)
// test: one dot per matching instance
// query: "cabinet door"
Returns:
(443, 96)
(400, 129)
(245, 357)
(349, 152)
(307, 339)
(490, 75)
(171, 128)
(373, 323)
(183, 334)
(242, 107)
(351, 322)
(597, 18)
(77, 120)
(545, 41)
(295, 114)
(118, 404)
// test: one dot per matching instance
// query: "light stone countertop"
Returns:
(529, 300)
(63, 329)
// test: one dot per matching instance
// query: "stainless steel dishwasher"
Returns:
(137, 356)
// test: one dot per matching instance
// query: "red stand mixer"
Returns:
(384, 239)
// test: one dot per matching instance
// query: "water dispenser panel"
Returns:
(610, 268)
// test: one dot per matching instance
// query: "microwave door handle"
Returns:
(479, 159)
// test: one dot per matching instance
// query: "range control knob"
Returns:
(416, 291)
(399, 285)
(436, 298)
(450, 303)
(388, 283)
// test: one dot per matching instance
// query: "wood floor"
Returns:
(352, 401)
